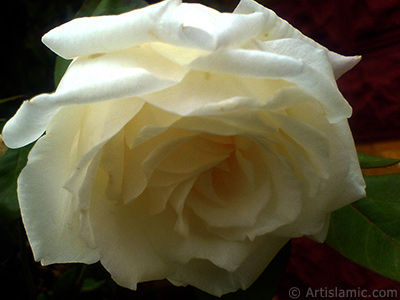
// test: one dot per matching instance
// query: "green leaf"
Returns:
(60, 68)
(369, 161)
(96, 8)
(264, 288)
(11, 164)
(90, 284)
(368, 231)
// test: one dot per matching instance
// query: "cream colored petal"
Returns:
(259, 64)
(155, 199)
(83, 194)
(128, 226)
(113, 163)
(87, 71)
(200, 27)
(242, 193)
(315, 58)
(341, 64)
(194, 155)
(179, 248)
(286, 195)
(236, 116)
(342, 163)
(90, 80)
(94, 132)
(142, 161)
(124, 248)
(202, 89)
(141, 130)
(312, 143)
(49, 212)
(167, 230)
(234, 30)
(178, 201)
(275, 28)
(188, 25)
(179, 55)
(103, 34)
(344, 184)
(284, 204)
(216, 281)
(353, 184)
(197, 89)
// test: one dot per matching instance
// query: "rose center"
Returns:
(200, 174)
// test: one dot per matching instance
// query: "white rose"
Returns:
(186, 144)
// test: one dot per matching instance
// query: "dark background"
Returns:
(370, 28)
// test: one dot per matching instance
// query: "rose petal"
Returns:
(90, 80)
(313, 143)
(200, 27)
(142, 161)
(187, 25)
(353, 184)
(122, 235)
(170, 227)
(103, 34)
(50, 214)
(315, 58)
(259, 64)
(134, 222)
(180, 248)
(343, 186)
(178, 201)
(241, 194)
(195, 155)
(94, 133)
(207, 277)
(101, 68)
(200, 89)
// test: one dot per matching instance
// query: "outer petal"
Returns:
(200, 27)
(63, 157)
(103, 34)
(277, 28)
(188, 25)
(94, 133)
(259, 64)
(354, 184)
(343, 186)
(124, 248)
(202, 89)
(113, 76)
(50, 215)
(315, 58)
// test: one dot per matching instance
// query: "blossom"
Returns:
(185, 143)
